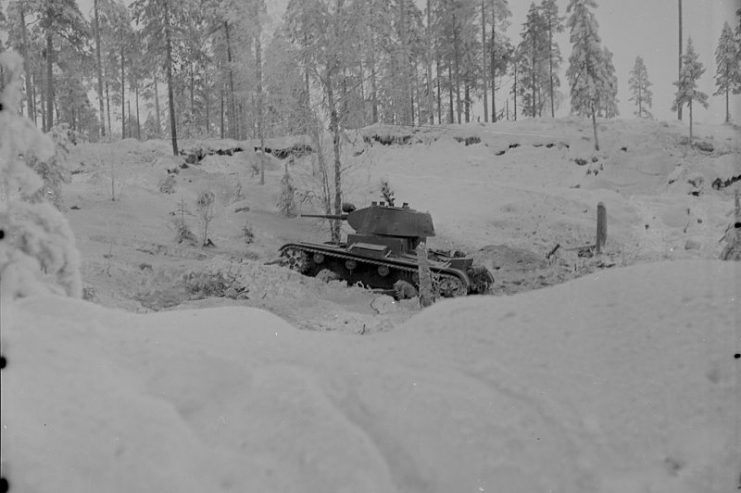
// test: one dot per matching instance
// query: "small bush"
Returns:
(247, 233)
(287, 199)
(221, 283)
(386, 192)
(167, 185)
(205, 205)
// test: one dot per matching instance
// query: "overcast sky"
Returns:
(631, 28)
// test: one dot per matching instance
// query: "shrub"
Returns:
(286, 200)
(221, 282)
(387, 192)
(37, 250)
(247, 233)
(205, 206)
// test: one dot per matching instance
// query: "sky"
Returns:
(631, 28)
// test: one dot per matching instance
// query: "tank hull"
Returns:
(379, 266)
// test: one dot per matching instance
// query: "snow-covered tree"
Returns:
(687, 92)
(37, 250)
(640, 90)
(608, 101)
(728, 60)
(592, 81)
(553, 23)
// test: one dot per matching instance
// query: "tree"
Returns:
(499, 48)
(687, 92)
(640, 88)
(39, 250)
(156, 18)
(679, 45)
(608, 101)
(728, 61)
(323, 31)
(588, 73)
(553, 24)
(533, 69)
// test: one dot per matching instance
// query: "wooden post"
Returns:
(426, 295)
(601, 227)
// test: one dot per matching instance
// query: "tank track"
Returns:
(458, 283)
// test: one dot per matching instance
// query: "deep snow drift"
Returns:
(621, 381)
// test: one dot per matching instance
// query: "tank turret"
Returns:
(406, 226)
(381, 252)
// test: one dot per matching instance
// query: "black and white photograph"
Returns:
(370, 246)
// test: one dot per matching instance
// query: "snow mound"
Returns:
(623, 381)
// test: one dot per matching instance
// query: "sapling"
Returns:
(205, 205)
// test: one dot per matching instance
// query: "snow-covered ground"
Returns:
(623, 380)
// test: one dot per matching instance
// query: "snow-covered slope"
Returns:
(624, 381)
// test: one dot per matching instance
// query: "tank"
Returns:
(381, 254)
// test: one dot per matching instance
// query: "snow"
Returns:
(622, 381)
(618, 376)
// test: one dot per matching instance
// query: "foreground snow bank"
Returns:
(623, 381)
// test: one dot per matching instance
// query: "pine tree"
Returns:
(728, 60)
(608, 101)
(39, 251)
(533, 70)
(592, 86)
(640, 89)
(687, 92)
(554, 25)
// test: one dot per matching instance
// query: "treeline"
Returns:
(360, 61)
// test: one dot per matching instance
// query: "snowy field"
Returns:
(611, 374)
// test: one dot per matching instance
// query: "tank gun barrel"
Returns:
(326, 216)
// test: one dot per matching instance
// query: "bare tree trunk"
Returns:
(221, 113)
(49, 82)
(457, 72)
(492, 67)
(550, 64)
(439, 97)
(108, 107)
(429, 66)
(192, 88)
(138, 122)
(335, 128)
(123, 95)
(157, 105)
(99, 67)
(232, 106)
(483, 60)
(26, 69)
(514, 92)
(532, 78)
(466, 102)
(679, 106)
(594, 128)
(374, 88)
(690, 105)
(128, 105)
(260, 122)
(451, 118)
(168, 63)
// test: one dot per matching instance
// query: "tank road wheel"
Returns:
(296, 260)
(451, 286)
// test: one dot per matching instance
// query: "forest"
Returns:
(209, 68)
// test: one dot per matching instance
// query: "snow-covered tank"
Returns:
(382, 254)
